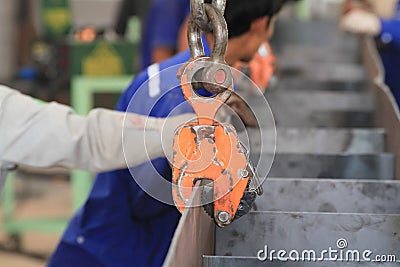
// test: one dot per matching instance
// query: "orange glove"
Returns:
(262, 67)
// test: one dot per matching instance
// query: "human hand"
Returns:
(361, 22)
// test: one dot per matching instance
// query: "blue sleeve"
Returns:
(390, 33)
(167, 17)
(127, 95)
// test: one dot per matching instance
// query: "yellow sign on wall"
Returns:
(56, 17)
(104, 60)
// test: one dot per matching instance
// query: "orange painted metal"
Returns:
(209, 150)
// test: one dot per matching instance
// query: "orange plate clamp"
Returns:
(207, 149)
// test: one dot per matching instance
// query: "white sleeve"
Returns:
(43, 135)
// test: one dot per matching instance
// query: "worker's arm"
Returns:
(368, 23)
(43, 135)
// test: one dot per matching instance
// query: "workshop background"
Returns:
(74, 52)
(51, 49)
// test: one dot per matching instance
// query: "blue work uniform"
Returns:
(162, 26)
(120, 224)
(389, 50)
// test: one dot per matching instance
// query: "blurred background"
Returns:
(51, 49)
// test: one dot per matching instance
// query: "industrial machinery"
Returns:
(332, 182)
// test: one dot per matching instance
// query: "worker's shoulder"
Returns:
(157, 83)
(160, 77)
(175, 61)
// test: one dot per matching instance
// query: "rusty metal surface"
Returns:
(209, 18)
(317, 51)
(293, 84)
(319, 101)
(340, 166)
(316, 140)
(325, 119)
(198, 13)
(320, 195)
(309, 231)
(212, 153)
(304, 109)
(193, 238)
(293, 53)
(321, 71)
(322, 41)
